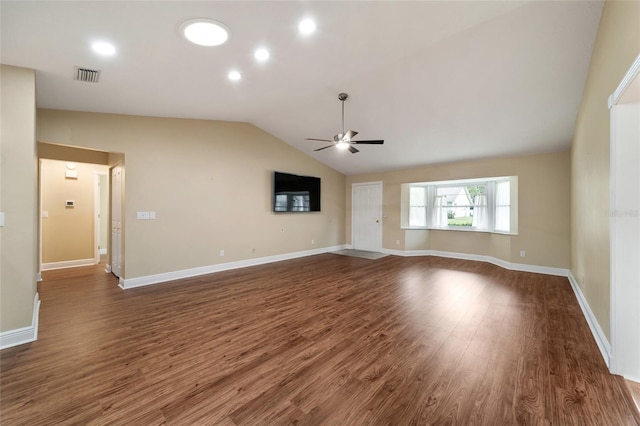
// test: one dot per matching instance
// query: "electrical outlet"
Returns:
(523, 253)
(313, 242)
(397, 242)
(221, 253)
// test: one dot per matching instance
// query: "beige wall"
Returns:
(18, 198)
(209, 183)
(543, 219)
(68, 233)
(617, 45)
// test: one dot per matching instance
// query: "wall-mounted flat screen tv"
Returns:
(293, 193)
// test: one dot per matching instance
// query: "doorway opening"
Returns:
(624, 105)
(76, 207)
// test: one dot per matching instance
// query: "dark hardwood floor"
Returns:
(326, 339)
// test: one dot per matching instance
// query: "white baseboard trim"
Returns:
(598, 334)
(39, 276)
(20, 336)
(547, 270)
(128, 283)
(399, 253)
(632, 378)
(102, 251)
(68, 264)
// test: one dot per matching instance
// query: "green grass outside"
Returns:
(461, 221)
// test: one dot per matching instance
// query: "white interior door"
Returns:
(116, 221)
(366, 216)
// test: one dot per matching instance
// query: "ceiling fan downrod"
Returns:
(343, 97)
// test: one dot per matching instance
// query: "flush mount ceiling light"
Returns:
(306, 26)
(234, 76)
(103, 48)
(261, 55)
(205, 32)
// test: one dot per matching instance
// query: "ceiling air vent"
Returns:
(86, 74)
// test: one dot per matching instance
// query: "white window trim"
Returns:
(490, 184)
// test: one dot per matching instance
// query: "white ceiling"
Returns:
(438, 81)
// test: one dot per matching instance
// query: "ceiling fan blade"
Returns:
(324, 147)
(353, 149)
(372, 142)
(321, 140)
(350, 134)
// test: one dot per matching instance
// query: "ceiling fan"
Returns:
(344, 140)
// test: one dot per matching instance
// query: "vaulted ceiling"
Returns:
(438, 81)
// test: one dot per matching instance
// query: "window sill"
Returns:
(460, 229)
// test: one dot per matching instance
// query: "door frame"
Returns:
(39, 274)
(97, 219)
(624, 275)
(110, 251)
(378, 183)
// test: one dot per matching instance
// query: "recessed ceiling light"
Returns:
(307, 26)
(234, 75)
(103, 48)
(205, 32)
(261, 55)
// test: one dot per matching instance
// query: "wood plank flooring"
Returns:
(634, 391)
(325, 339)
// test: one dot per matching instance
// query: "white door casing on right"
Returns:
(624, 214)
(366, 216)
(116, 221)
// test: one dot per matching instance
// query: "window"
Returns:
(503, 206)
(472, 204)
(417, 206)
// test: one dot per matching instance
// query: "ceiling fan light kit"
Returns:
(344, 140)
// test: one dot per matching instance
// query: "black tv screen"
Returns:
(293, 193)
